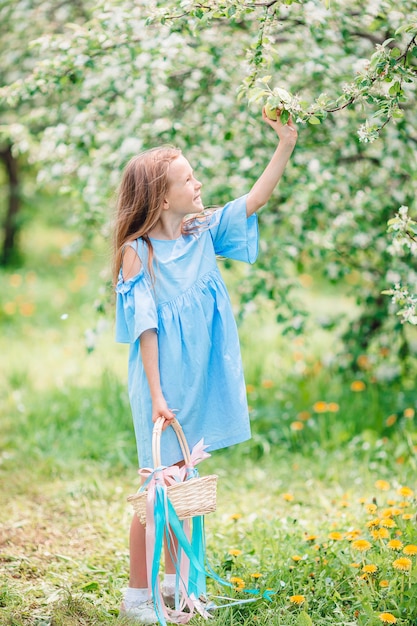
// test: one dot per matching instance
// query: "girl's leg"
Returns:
(135, 604)
(138, 575)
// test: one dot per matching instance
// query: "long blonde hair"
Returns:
(141, 194)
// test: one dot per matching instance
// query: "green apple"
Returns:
(271, 112)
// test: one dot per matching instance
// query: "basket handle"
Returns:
(156, 441)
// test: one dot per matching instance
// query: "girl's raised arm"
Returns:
(266, 183)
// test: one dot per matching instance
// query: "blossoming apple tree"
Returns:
(119, 76)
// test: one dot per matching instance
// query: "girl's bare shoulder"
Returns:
(131, 264)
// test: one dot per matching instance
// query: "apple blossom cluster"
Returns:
(404, 243)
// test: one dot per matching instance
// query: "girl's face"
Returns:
(183, 195)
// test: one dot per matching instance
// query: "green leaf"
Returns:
(304, 619)
(395, 89)
(398, 114)
(395, 53)
(285, 116)
(314, 120)
(91, 586)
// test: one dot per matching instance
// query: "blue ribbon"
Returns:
(166, 519)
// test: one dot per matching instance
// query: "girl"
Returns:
(174, 311)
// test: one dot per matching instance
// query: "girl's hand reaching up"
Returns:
(287, 133)
(266, 183)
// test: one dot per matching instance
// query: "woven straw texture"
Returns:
(196, 496)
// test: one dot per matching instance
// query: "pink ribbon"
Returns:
(162, 475)
(174, 474)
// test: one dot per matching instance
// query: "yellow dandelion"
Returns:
(27, 309)
(395, 544)
(305, 280)
(9, 308)
(256, 575)
(391, 512)
(382, 485)
(371, 508)
(15, 280)
(235, 516)
(297, 599)
(333, 407)
(267, 384)
(407, 516)
(296, 558)
(358, 385)
(384, 583)
(362, 545)
(288, 497)
(405, 492)
(387, 522)
(373, 522)
(370, 568)
(356, 565)
(310, 537)
(344, 504)
(363, 361)
(391, 419)
(298, 356)
(236, 580)
(380, 533)
(304, 416)
(250, 388)
(410, 550)
(320, 406)
(234, 552)
(403, 564)
(387, 618)
(335, 536)
(409, 413)
(362, 500)
(296, 426)
(403, 505)
(351, 535)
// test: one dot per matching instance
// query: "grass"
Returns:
(332, 460)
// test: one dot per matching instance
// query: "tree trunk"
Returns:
(10, 226)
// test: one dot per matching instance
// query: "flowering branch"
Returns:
(404, 240)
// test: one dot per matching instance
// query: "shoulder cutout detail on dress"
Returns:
(131, 264)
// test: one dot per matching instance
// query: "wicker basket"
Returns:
(195, 496)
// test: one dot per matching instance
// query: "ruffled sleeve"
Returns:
(235, 236)
(135, 308)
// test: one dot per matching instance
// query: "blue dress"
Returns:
(199, 353)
